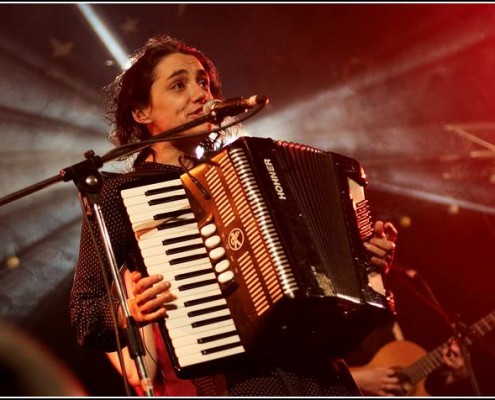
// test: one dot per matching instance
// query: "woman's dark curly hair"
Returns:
(131, 89)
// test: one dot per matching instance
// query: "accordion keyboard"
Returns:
(199, 323)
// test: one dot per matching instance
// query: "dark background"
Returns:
(407, 89)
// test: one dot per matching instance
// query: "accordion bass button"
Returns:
(225, 277)
(222, 266)
(212, 241)
(208, 230)
(217, 253)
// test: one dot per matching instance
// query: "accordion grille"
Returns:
(229, 191)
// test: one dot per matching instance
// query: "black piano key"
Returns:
(169, 199)
(210, 321)
(192, 274)
(202, 300)
(175, 223)
(218, 336)
(178, 239)
(152, 192)
(220, 348)
(192, 257)
(182, 249)
(171, 214)
(207, 310)
(194, 285)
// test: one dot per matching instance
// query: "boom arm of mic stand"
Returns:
(130, 148)
(97, 162)
(121, 151)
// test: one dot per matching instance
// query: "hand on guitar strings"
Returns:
(381, 381)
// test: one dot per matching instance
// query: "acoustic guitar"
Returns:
(415, 364)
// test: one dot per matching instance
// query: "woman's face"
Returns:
(180, 89)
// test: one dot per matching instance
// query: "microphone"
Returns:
(219, 109)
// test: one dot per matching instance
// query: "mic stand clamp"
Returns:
(89, 183)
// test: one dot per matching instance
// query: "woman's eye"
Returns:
(178, 85)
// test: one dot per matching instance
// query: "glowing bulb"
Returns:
(12, 262)
(405, 221)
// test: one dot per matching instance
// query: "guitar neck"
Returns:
(434, 359)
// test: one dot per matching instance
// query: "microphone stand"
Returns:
(458, 327)
(89, 182)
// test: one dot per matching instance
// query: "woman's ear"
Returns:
(141, 116)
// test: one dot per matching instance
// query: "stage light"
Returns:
(110, 42)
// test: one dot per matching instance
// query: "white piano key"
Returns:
(197, 348)
(191, 281)
(140, 190)
(200, 331)
(184, 311)
(143, 199)
(166, 269)
(177, 286)
(167, 205)
(194, 359)
(170, 233)
(171, 275)
(166, 258)
(203, 292)
(161, 249)
(156, 197)
(186, 340)
(147, 212)
(207, 290)
(187, 321)
(143, 213)
(156, 237)
(163, 262)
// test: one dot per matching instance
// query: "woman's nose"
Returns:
(200, 94)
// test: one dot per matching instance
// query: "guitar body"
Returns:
(396, 354)
(412, 361)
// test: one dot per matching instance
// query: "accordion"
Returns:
(263, 245)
